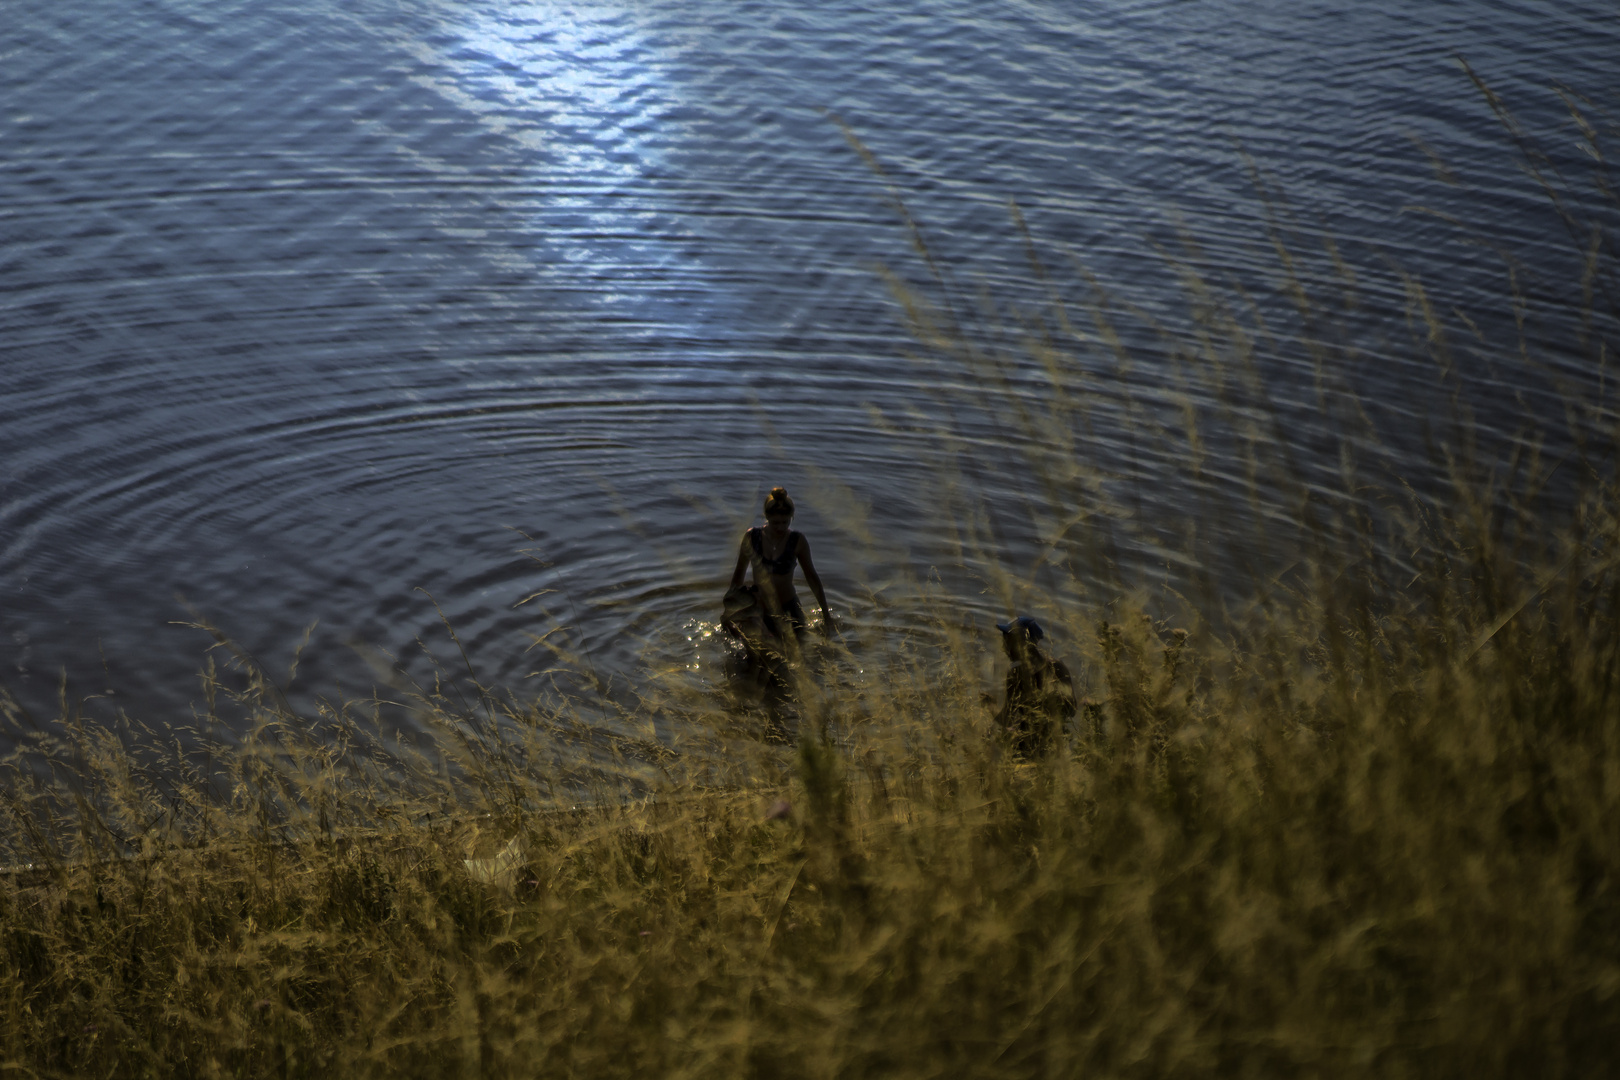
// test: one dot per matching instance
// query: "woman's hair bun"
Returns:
(778, 500)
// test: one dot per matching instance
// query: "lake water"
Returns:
(313, 310)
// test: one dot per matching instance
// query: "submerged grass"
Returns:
(1361, 817)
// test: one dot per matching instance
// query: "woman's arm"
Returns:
(742, 566)
(813, 579)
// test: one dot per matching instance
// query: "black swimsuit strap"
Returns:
(783, 563)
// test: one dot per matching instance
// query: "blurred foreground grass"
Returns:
(1398, 854)
(1363, 819)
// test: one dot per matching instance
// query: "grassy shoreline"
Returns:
(1400, 867)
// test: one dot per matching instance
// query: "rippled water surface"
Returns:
(313, 310)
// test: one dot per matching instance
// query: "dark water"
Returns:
(310, 310)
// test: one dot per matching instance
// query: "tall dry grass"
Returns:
(1356, 814)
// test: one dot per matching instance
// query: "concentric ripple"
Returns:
(364, 313)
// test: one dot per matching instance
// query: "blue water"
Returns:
(314, 311)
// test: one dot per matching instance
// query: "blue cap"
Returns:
(1029, 626)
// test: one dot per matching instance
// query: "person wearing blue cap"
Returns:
(1040, 691)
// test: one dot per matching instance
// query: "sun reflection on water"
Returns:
(583, 89)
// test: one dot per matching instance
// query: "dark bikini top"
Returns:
(783, 563)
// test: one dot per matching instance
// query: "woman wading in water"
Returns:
(774, 551)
